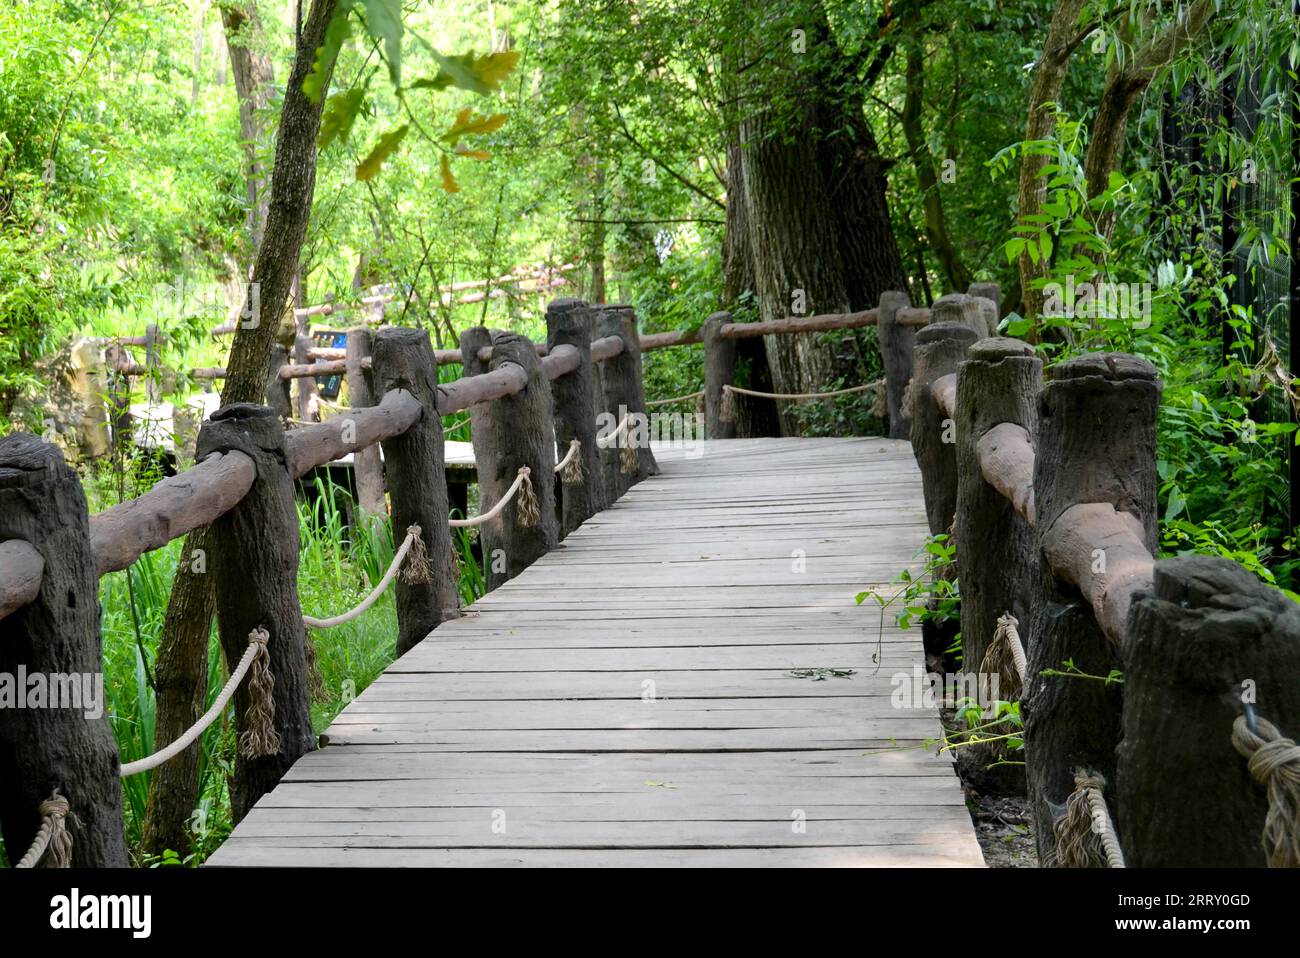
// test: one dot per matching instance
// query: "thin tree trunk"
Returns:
(254, 77)
(1063, 36)
(183, 645)
(956, 276)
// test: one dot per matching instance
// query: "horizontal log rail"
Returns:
(1006, 458)
(1102, 553)
(21, 568)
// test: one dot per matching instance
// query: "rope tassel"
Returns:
(1085, 835)
(259, 738)
(1274, 761)
(1005, 658)
(315, 679)
(629, 459)
(570, 469)
(527, 510)
(53, 840)
(728, 411)
(418, 569)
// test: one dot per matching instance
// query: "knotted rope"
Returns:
(629, 457)
(527, 512)
(259, 738)
(570, 467)
(668, 402)
(192, 733)
(53, 835)
(418, 571)
(1085, 835)
(1274, 761)
(1005, 657)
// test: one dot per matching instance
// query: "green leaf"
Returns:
(368, 167)
(459, 71)
(384, 22)
(340, 113)
(336, 34)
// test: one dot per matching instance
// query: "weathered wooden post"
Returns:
(481, 436)
(54, 641)
(719, 371)
(417, 482)
(255, 564)
(939, 348)
(896, 347)
(996, 418)
(623, 393)
(306, 384)
(367, 467)
(524, 436)
(153, 364)
(568, 323)
(1096, 444)
(967, 310)
(1211, 640)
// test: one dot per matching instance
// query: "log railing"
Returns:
(1173, 665)
(52, 552)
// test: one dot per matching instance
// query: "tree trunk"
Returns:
(1049, 77)
(182, 648)
(254, 77)
(819, 226)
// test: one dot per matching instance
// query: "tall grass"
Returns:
(338, 566)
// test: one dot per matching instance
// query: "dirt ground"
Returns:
(999, 808)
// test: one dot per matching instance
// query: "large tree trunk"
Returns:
(819, 223)
(183, 646)
(753, 416)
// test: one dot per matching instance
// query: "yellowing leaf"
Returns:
(448, 181)
(472, 154)
(493, 68)
(467, 124)
(368, 167)
(340, 113)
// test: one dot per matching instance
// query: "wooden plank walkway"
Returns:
(629, 700)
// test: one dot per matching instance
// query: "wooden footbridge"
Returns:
(642, 696)
(670, 667)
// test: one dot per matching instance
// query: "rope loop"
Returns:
(53, 840)
(570, 467)
(1085, 834)
(1274, 761)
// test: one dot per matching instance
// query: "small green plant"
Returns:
(931, 596)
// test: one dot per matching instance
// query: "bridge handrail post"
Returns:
(523, 435)
(306, 387)
(940, 347)
(897, 345)
(998, 383)
(719, 371)
(490, 489)
(415, 467)
(254, 564)
(622, 392)
(1096, 444)
(1211, 649)
(569, 322)
(367, 468)
(55, 635)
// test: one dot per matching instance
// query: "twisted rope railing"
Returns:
(257, 640)
(417, 571)
(668, 402)
(53, 835)
(1005, 656)
(729, 393)
(628, 456)
(528, 513)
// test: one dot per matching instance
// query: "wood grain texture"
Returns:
(631, 699)
(21, 567)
